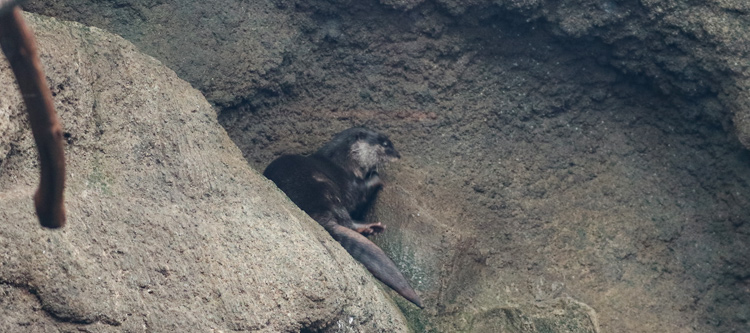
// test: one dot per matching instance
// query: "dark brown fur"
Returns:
(337, 181)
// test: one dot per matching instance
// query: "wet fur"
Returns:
(340, 181)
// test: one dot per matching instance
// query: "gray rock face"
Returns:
(243, 51)
(168, 227)
(687, 48)
(229, 50)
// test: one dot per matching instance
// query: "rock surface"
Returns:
(687, 48)
(532, 171)
(249, 52)
(229, 50)
(572, 154)
(168, 227)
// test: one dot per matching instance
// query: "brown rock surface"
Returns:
(536, 172)
(240, 53)
(229, 50)
(554, 151)
(168, 228)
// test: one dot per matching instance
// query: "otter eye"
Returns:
(385, 144)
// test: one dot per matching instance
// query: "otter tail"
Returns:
(375, 260)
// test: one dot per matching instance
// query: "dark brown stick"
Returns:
(6, 6)
(18, 44)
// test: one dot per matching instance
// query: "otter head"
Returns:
(360, 150)
(372, 149)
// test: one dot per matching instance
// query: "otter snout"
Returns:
(393, 156)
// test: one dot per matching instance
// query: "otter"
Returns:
(335, 186)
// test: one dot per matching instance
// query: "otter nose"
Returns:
(395, 153)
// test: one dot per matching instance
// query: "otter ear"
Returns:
(361, 135)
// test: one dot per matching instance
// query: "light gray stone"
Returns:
(168, 227)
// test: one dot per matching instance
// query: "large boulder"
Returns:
(168, 227)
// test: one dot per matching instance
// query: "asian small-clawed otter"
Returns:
(340, 181)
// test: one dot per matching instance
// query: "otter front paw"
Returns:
(370, 228)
